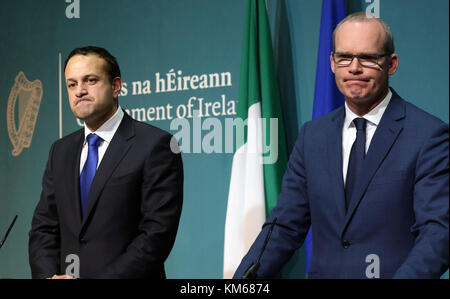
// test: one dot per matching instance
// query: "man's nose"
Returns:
(355, 67)
(80, 90)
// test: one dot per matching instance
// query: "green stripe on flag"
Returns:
(258, 162)
(270, 108)
(258, 82)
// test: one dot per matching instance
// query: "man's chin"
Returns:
(356, 94)
(357, 99)
(82, 114)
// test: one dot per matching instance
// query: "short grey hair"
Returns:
(389, 47)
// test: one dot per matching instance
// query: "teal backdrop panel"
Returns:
(177, 55)
(156, 43)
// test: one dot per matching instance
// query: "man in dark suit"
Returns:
(111, 192)
(372, 177)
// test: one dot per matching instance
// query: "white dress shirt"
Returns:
(106, 132)
(349, 130)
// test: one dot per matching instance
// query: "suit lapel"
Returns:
(384, 138)
(73, 153)
(334, 148)
(120, 144)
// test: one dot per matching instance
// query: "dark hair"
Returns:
(112, 69)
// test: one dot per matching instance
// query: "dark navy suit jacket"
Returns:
(132, 214)
(398, 212)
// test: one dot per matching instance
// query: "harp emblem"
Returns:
(27, 95)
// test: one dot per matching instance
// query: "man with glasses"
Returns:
(371, 177)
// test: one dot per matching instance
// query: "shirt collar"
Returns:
(107, 130)
(373, 116)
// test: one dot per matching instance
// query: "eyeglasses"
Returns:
(367, 60)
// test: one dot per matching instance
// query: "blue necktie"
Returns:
(89, 168)
(357, 155)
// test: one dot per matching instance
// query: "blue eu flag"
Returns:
(327, 97)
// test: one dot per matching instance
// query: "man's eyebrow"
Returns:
(85, 76)
(91, 74)
(359, 53)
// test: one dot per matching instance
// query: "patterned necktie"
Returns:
(89, 169)
(357, 155)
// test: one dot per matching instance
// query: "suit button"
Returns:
(83, 241)
(345, 244)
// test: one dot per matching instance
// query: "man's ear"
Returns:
(332, 62)
(393, 64)
(117, 86)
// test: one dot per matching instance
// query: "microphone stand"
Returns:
(251, 272)
(7, 232)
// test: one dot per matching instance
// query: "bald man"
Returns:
(371, 177)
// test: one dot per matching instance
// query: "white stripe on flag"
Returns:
(246, 205)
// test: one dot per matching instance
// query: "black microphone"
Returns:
(7, 232)
(250, 273)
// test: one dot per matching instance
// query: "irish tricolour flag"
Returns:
(260, 156)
